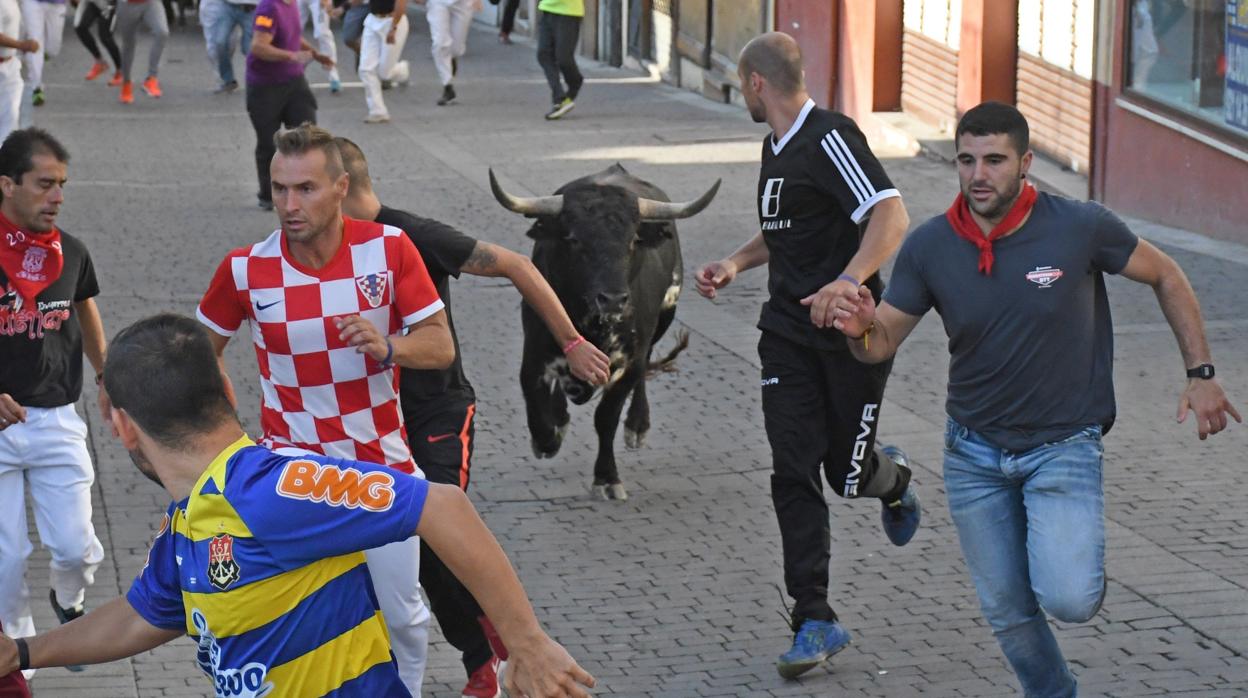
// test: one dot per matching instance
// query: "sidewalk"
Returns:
(675, 591)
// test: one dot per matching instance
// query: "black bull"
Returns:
(607, 244)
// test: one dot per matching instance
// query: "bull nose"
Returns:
(610, 303)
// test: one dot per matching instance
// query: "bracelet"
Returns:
(386, 363)
(23, 654)
(573, 344)
(849, 278)
(865, 337)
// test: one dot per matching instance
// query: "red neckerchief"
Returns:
(959, 216)
(30, 261)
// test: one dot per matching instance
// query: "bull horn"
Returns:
(530, 206)
(652, 210)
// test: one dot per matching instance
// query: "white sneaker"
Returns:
(402, 73)
(377, 119)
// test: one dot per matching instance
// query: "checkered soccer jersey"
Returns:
(318, 393)
(261, 566)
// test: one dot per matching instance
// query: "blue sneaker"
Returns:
(815, 642)
(901, 518)
(335, 85)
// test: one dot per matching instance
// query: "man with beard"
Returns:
(818, 184)
(48, 321)
(259, 556)
(334, 305)
(1018, 279)
(439, 406)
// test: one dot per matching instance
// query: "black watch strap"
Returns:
(23, 654)
(1204, 371)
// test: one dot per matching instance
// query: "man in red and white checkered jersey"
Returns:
(334, 304)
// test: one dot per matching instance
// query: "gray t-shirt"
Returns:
(1031, 346)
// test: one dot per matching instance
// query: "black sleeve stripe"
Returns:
(848, 166)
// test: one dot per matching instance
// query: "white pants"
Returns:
(44, 22)
(449, 21)
(48, 454)
(395, 569)
(380, 61)
(10, 96)
(321, 32)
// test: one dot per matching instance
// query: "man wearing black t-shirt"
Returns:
(821, 407)
(48, 320)
(439, 406)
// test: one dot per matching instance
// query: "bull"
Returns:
(607, 244)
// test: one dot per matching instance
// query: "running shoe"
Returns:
(901, 518)
(152, 87)
(97, 69)
(559, 109)
(486, 681)
(127, 92)
(37, 98)
(448, 96)
(814, 643)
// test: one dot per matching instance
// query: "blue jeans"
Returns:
(231, 16)
(1032, 529)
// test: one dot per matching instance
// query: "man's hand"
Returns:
(841, 294)
(8, 655)
(544, 669)
(303, 57)
(10, 412)
(714, 276)
(30, 46)
(391, 34)
(323, 59)
(1206, 399)
(588, 363)
(361, 334)
(854, 323)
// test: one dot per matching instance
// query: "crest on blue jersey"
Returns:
(373, 286)
(223, 569)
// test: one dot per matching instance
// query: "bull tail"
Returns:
(667, 364)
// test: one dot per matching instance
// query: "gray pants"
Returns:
(151, 13)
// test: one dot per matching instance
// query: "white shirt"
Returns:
(10, 25)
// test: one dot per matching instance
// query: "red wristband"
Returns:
(573, 344)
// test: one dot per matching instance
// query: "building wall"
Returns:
(1054, 89)
(929, 64)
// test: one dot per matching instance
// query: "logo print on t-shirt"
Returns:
(771, 197)
(1044, 276)
(32, 263)
(223, 570)
(373, 286)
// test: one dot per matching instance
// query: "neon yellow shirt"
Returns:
(570, 8)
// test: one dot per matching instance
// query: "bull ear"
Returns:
(655, 232)
(544, 231)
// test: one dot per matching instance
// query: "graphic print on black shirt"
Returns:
(41, 347)
(444, 250)
(816, 186)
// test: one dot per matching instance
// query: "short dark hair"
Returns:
(163, 372)
(307, 137)
(20, 147)
(992, 118)
(777, 57)
(356, 165)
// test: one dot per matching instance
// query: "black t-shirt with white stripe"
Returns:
(816, 186)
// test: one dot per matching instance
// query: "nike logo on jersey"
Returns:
(266, 306)
(440, 437)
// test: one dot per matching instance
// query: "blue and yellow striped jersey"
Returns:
(262, 565)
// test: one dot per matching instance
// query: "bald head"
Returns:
(776, 57)
(356, 166)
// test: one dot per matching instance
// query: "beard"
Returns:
(998, 206)
(145, 466)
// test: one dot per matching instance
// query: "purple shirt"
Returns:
(281, 19)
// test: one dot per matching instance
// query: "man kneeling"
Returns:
(259, 558)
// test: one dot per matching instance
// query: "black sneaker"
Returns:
(448, 96)
(386, 84)
(65, 615)
(559, 109)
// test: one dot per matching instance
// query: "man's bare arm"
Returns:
(111, 632)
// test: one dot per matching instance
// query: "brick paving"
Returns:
(675, 591)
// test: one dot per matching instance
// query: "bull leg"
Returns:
(665, 321)
(547, 411)
(637, 423)
(607, 483)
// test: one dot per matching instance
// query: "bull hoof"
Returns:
(634, 439)
(539, 452)
(606, 492)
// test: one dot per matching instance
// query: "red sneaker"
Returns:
(152, 87)
(491, 635)
(486, 681)
(116, 79)
(97, 69)
(127, 92)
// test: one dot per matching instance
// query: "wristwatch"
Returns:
(1204, 371)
